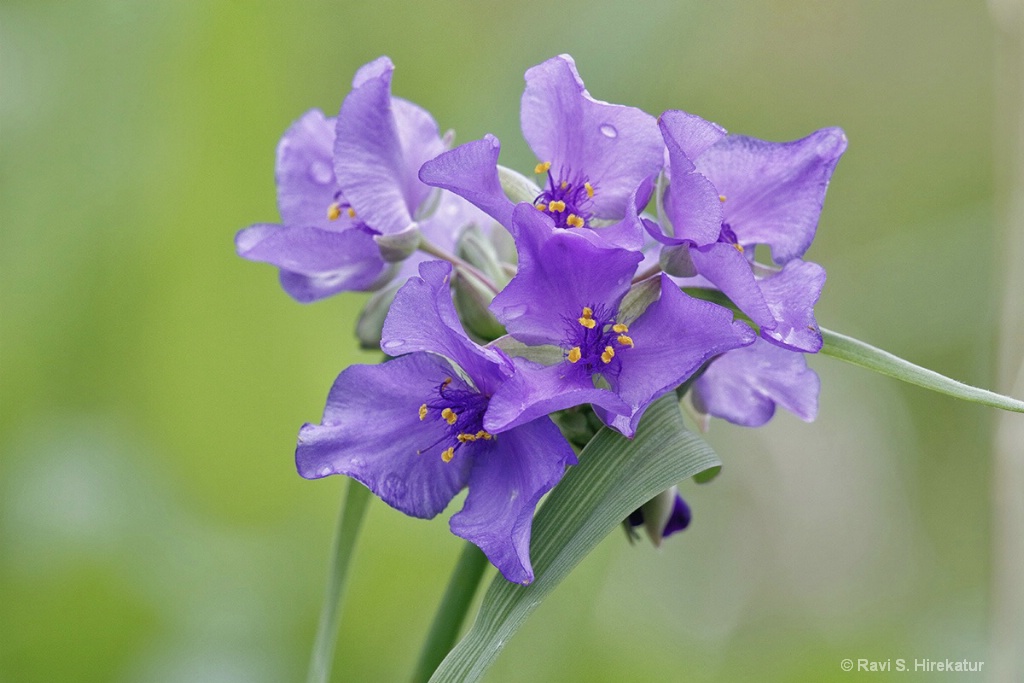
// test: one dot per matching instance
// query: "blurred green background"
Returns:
(152, 526)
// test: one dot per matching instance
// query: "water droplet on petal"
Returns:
(321, 173)
(392, 344)
(324, 471)
(513, 312)
(608, 130)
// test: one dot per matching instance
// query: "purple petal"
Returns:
(679, 519)
(536, 390)
(380, 145)
(505, 486)
(745, 385)
(560, 272)
(371, 431)
(613, 145)
(791, 295)
(774, 191)
(471, 171)
(314, 263)
(729, 270)
(692, 202)
(423, 318)
(629, 232)
(671, 340)
(304, 173)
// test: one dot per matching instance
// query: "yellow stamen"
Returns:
(574, 354)
(542, 167)
(564, 185)
(483, 434)
(351, 212)
(575, 221)
(446, 382)
(557, 205)
(463, 438)
(620, 328)
(625, 341)
(738, 247)
(721, 197)
(608, 354)
(423, 411)
(448, 453)
(587, 319)
(542, 207)
(590, 190)
(449, 416)
(333, 212)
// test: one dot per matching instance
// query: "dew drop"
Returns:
(608, 130)
(392, 344)
(321, 173)
(324, 471)
(513, 312)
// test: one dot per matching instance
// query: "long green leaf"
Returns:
(615, 476)
(859, 353)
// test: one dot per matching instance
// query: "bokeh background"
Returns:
(152, 526)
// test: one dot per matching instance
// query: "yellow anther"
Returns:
(608, 354)
(625, 341)
(564, 185)
(721, 197)
(542, 167)
(557, 205)
(738, 247)
(448, 453)
(587, 319)
(483, 434)
(574, 354)
(463, 438)
(351, 212)
(449, 416)
(446, 382)
(620, 328)
(590, 189)
(542, 207)
(574, 221)
(333, 212)
(423, 411)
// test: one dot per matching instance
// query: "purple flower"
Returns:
(743, 386)
(729, 193)
(567, 294)
(662, 516)
(413, 429)
(593, 157)
(348, 191)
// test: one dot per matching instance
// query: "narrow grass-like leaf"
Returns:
(615, 476)
(859, 353)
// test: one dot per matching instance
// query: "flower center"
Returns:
(727, 236)
(462, 409)
(567, 199)
(594, 340)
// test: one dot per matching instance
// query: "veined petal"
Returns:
(505, 485)
(729, 270)
(560, 272)
(304, 174)
(671, 340)
(326, 261)
(371, 431)
(423, 318)
(628, 233)
(791, 295)
(536, 390)
(615, 146)
(744, 386)
(471, 171)
(774, 190)
(692, 202)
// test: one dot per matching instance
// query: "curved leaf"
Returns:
(615, 476)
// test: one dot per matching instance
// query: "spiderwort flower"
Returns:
(662, 516)
(348, 193)
(567, 294)
(413, 429)
(744, 385)
(729, 193)
(593, 157)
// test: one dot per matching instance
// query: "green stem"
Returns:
(467, 269)
(452, 612)
(351, 518)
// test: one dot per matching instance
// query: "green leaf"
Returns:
(615, 476)
(857, 352)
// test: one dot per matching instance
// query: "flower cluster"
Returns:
(627, 270)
